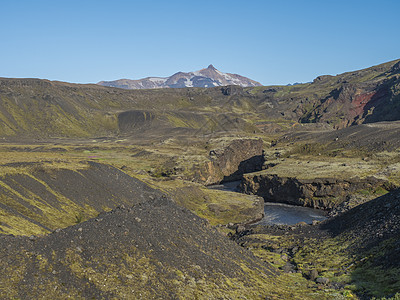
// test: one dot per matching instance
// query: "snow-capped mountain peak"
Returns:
(208, 77)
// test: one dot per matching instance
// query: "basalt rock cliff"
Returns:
(231, 162)
(323, 193)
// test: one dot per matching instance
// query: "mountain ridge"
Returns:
(44, 108)
(207, 77)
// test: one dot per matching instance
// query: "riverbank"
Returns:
(275, 213)
(354, 253)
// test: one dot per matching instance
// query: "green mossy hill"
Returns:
(36, 199)
(42, 108)
(364, 96)
(364, 140)
(154, 250)
(162, 124)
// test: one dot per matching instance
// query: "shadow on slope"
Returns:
(371, 234)
(369, 222)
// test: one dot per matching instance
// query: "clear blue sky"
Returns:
(274, 42)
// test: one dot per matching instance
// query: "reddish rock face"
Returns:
(365, 103)
(364, 96)
(359, 103)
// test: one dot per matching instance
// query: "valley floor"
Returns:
(53, 191)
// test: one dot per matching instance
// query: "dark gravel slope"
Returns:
(35, 199)
(154, 250)
(373, 224)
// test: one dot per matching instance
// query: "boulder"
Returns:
(322, 280)
(313, 274)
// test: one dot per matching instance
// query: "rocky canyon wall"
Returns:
(324, 193)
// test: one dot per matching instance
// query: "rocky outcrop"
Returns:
(231, 162)
(357, 103)
(231, 90)
(324, 193)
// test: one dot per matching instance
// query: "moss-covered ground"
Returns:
(168, 166)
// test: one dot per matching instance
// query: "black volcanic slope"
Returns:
(36, 199)
(155, 250)
(370, 233)
(372, 224)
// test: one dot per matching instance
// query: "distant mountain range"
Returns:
(209, 77)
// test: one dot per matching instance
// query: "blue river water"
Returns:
(284, 214)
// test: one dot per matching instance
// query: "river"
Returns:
(279, 213)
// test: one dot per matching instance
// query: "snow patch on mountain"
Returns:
(189, 82)
(158, 79)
